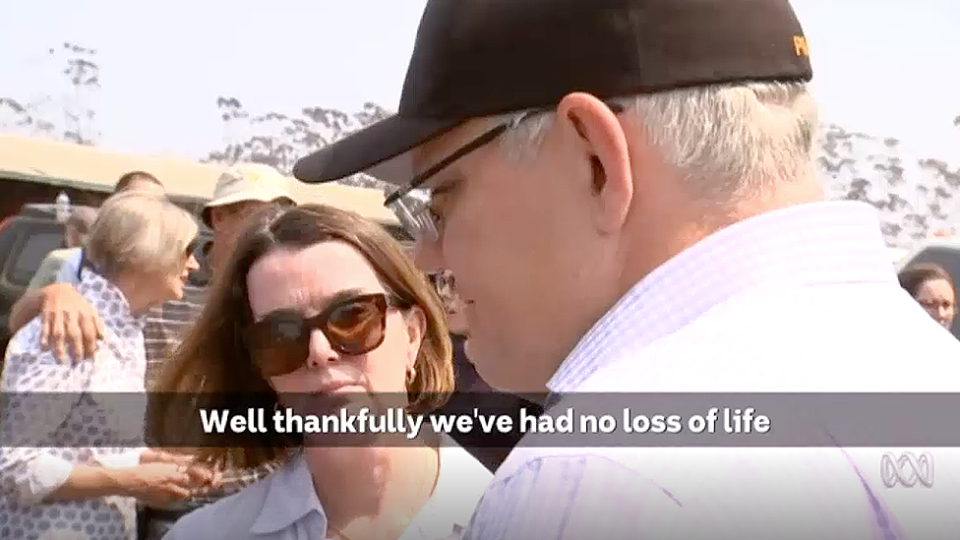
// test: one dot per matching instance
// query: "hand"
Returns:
(67, 317)
(154, 455)
(201, 473)
(161, 483)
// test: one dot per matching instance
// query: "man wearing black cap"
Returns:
(626, 193)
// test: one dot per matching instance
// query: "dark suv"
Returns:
(25, 239)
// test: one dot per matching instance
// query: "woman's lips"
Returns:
(339, 388)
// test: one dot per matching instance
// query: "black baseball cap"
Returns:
(476, 58)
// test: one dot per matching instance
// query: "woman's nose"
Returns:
(321, 353)
(192, 263)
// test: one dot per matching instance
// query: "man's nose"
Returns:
(427, 256)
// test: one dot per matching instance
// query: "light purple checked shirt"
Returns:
(798, 300)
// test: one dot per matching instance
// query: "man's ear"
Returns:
(603, 143)
(216, 216)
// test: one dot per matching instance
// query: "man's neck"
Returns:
(702, 220)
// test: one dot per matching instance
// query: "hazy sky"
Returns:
(884, 67)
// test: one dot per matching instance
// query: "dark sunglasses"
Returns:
(192, 247)
(280, 342)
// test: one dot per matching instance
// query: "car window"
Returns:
(31, 253)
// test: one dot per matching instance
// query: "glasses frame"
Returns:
(412, 207)
(255, 341)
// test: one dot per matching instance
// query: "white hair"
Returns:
(139, 232)
(724, 140)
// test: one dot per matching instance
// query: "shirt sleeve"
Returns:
(70, 268)
(47, 274)
(573, 498)
(39, 394)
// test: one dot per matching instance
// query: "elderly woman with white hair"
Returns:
(60, 476)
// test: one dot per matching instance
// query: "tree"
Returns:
(70, 116)
(83, 72)
(278, 139)
(20, 117)
(913, 197)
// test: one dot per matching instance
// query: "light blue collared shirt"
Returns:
(284, 506)
(70, 269)
(798, 300)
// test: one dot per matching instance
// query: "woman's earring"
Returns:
(411, 374)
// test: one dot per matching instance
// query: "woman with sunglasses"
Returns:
(319, 302)
(61, 475)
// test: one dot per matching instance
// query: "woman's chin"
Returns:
(176, 289)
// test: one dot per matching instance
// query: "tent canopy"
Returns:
(90, 168)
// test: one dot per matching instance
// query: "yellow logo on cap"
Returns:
(800, 46)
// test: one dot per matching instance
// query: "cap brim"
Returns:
(381, 150)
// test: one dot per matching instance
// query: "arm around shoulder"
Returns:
(26, 308)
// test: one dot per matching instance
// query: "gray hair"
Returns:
(726, 141)
(138, 232)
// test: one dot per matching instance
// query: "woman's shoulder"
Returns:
(235, 516)
(229, 518)
(25, 361)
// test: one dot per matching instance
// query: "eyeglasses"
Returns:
(412, 205)
(280, 343)
(443, 282)
(191, 247)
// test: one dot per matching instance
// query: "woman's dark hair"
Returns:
(214, 368)
(914, 276)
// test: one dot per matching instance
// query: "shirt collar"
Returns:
(290, 497)
(809, 244)
(100, 291)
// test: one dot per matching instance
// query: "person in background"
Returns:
(633, 208)
(70, 321)
(74, 235)
(239, 192)
(317, 301)
(56, 299)
(467, 378)
(71, 478)
(136, 181)
(472, 392)
(931, 286)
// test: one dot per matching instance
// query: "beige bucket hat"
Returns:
(248, 182)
